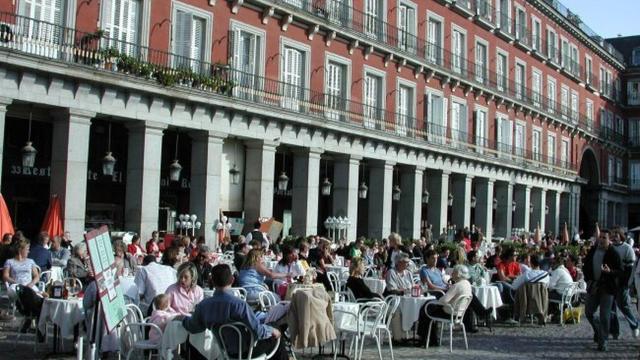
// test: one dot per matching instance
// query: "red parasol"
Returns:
(6, 225)
(565, 234)
(52, 223)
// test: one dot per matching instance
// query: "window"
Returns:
(551, 94)
(574, 66)
(122, 24)
(536, 84)
(437, 117)
(574, 106)
(619, 125)
(459, 123)
(589, 114)
(552, 46)
(247, 59)
(189, 37)
(336, 89)
(503, 15)
(503, 134)
(434, 41)
(551, 149)
(564, 102)
(565, 54)
(338, 11)
(634, 132)
(405, 110)
(634, 175)
(373, 104)
(635, 57)
(588, 63)
(297, 3)
(520, 139)
(602, 80)
(481, 62)
(619, 179)
(536, 35)
(633, 92)
(407, 28)
(458, 56)
(536, 149)
(293, 76)
(611, 169)
(373, 18)
(520, 81)
(47, 31)
(521, 24)
(501, 72)
(564, 154)
(481, 130)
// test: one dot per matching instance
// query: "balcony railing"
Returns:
(612, 135)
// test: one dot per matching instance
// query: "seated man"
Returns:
(535, 275)
(223, 307)
(430, 276)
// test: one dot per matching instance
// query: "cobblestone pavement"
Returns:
(573, 341)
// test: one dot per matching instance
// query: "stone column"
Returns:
(69, 157)
(438, 186)
(503, 220)
(380, 187)
(345, 192)
(461, 211)
(204, 195)
(539, 201)
(565, 210)
(258, 181)
(410, 207)
(522, 196)
(305, 191)
(4, 103)
(143, 176)
(484, 206)
(552, 220)
(576, 208)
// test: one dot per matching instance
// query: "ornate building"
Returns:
(395, 114)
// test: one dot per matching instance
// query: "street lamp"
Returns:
(326, 187)
(450, 200)
(337, 226)
(175, 168)
(425, 196)
(108, 161)
(513, 206)
(188, 222)
(473, 201)
(283, 179)
(363, 190)
(546, 209)
(530, 209)
(28, 151)
(495, 203)
(396, 193)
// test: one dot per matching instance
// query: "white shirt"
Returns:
(295, 269)
(399, 281)
(560, 279)
(154, 279)
(532, 276)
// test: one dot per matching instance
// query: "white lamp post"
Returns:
(188, 223)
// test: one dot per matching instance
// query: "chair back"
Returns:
(334, 280)
(46, 277)
(370, 272)
(371, 315)
(350, 295)
(267, 300)
(460, 306)
(393, 301)
(237, 331)
(134, 314)
(239, 292)
(569, 292)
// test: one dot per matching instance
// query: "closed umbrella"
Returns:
(537, 237)
(565, 234)
(52, 223)
(6, 225)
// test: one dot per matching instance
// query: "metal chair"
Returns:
(392, 301)
(133, 337)
(456, 312)
(239, 292)
(267, 300)
(239, 330)
(334, 280)
(566, 300)
(369, 322)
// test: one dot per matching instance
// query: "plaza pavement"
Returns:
(574, 341)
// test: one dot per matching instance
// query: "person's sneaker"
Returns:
(636, 333)
(511, 322)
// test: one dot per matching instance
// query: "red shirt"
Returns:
(467, 245)
(510, 269)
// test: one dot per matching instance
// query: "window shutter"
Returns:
(107, 16)
(183, 34)
(499, 140)
(445, 110)
(197, 46)
(132, 23)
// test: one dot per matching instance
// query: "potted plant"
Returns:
(110, 55)
(166, 77)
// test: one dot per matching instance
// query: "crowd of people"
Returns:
(171, 278)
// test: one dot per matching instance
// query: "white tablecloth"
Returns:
(410, 309)
(375, 285)
(489, 297)
(57, 273)
(129, 288)
(342, 321)
(175, 334)
(64, 313)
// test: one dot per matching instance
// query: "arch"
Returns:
(589, 199)
(589, 166)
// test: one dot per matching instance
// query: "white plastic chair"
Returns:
(239, 292)
(393, 302)
(566, 300)
(267, 300)
(456, 315)
(369, 320)
(334, 280)
(239, 330)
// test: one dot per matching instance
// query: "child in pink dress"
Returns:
(162, 314)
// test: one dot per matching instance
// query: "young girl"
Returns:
(162, 314)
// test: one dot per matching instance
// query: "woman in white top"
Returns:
(20, 270)
(399, 282)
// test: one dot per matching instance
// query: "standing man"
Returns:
(257, 235)
(602, 272)
(622, 298)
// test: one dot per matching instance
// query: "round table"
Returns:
(375, 285)
(489, 297)
(410, 309)
(342, 318)
(65, 314)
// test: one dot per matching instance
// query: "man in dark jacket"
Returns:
(602, 272)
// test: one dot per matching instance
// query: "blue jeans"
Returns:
(599, 324)
(622, 302)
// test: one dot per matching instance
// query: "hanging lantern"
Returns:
(363, 190)
(513, 206)
(235, 175)
(450, 200)
(425, 197)
(108, 164)
(29, 155)
(396, 193)
(530, 208)
(495, 203)
(283, 182)
(174, 171)
(326, 187)
(473, 201)
(546, 209)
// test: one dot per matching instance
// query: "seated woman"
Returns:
(185, 293)
(289, 263)
(134, 248)
(460, 288)
(355, 282)
(320, 257)
(253, 273)
(22, 272)
(130, 262)
(399, 282)
(78, 266)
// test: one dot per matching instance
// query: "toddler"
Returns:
(162, 314)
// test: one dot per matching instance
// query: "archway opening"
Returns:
(589, 172)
